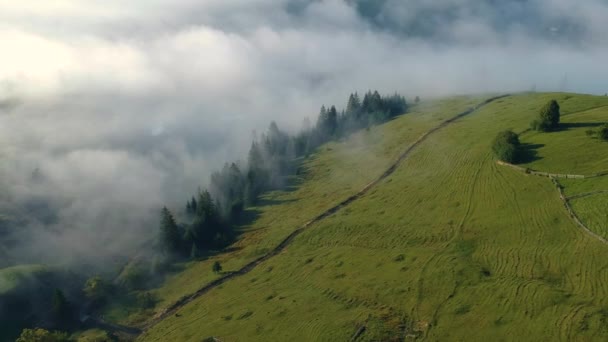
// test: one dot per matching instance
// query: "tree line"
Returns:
(207, 221)
(212, 213)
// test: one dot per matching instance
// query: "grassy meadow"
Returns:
(451, 246)
(338, 170)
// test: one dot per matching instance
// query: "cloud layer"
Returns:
(110, 109)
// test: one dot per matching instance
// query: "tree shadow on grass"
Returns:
(263, 202)
(564, 126)
(529, 153)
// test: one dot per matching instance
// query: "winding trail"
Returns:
(281, 246)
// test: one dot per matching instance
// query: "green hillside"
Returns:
(451, 246)
(25, 295)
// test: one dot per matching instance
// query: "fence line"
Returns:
(573, 214)
(549, 174)
(586, 194)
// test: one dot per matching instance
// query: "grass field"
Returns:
(338, 170)
(593, 211)
(451, 246)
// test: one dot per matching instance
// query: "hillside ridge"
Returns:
(281, 246)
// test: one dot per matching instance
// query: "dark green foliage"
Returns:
(327, 124)
(258, 176)
(548, 119)
(353, 107)
(191, 206)
(96, 289)
(208, 229)
(506, 147)
(228, 186)
(159, 265)
(540, 126)
(145, 300)
(42, 335)
(602, 133)
(170, 239)
(217, 267)
(133, 277)
(61, 309)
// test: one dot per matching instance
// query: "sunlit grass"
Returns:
(450, 247)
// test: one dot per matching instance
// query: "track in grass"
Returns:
(281, 246)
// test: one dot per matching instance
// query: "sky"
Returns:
(111, 109)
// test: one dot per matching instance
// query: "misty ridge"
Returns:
(108, 112)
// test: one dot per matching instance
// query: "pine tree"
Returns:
(170, 239)
(193, 204)
(376, 102)
(257, 175)
(206, 207)
(354, 105)
(332, 121)
(553, 113)
(327, 122)
(61, 309)
(366, 104)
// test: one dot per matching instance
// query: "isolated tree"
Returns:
(217, 267)
(506, 146)
(170, 239)
(548, 118)
(417, 99)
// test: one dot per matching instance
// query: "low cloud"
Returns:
(110, 110)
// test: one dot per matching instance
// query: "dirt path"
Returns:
(281, 246)
(112, 327)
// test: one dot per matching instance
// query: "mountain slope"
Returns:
(451, 246)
